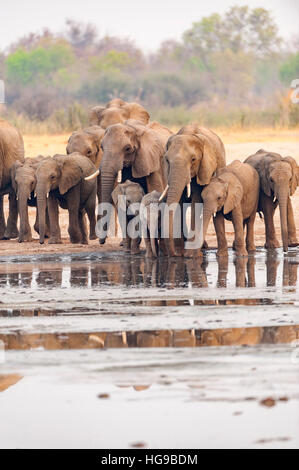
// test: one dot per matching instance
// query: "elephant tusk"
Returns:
(47, 195)
(93, 175)
(274, 200)
(188, 190)
(214, 214)
(164, 193)
(119, 176)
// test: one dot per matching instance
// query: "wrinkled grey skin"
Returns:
(192, 156)
(88, 142)
(279, 178)
(136, 150)
(151, 219)
(133, 193)
(11, 150)
(60, 181)
(23, 180)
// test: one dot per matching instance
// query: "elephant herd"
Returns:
(123, 153)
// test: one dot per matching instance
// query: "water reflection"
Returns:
(132, 272)
(154, 338)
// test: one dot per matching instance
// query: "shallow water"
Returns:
(184, 333)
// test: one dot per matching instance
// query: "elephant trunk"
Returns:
(153, 227)
(23, 195)
(177, 183)
(107, 185)
(282, 197)
(41, 195)
(207, 214)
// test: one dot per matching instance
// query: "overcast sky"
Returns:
(147, 22)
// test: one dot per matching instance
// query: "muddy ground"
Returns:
(100, 349)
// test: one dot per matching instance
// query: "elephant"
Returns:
(279, 178)
(151, 220)
(232, 194)
(70, 181)
(192, 157)
(23, 180)
(132, 151)
(117, 111)
(133, 193)
(88, 143)
(11, 150)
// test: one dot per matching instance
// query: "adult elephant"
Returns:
(279, 178)
(88, 143)
(192, 157)
(11, 150)
(64, 180)
(117, 111)
(132, 151)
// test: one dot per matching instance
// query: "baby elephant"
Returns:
(232, 195)
(133, 194)
(23, 180)
(151, 220)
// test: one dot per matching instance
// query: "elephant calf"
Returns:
(23, 180)
(70, 181)
(124, 196)
(233, 195)
(151, 220)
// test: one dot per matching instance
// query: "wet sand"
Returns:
(101, 349)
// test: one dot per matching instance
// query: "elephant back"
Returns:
(11, 150)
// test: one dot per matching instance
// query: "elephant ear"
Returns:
(234, 194)
(13, 170)
(262, 169)
(71, 173)
(95, 115)
(208, 164)
(295, 174)
(138, 112)
(120, 190)
(149, 154)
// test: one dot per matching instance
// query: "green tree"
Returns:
(289, 70)
(26, 67)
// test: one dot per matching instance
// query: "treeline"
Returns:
(226, 70)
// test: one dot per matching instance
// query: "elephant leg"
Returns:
(250, 233)
(237, 219)
(222, 271)
(90, 210)
(268, 209)
(291, 225)
(135, 246)
(251, 271)
(26, 236)
(219, 224)
(12, 229)
(162, 247)
(240, 269)
(193, 252)
(55, 235)
(83, 228)
(2, 219)
(148, 248)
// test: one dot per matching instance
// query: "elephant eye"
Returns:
(88, 152)
(128, 148)
(193, 159)
(52, 177)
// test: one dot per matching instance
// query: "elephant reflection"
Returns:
(289, 273)
(244, 271)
